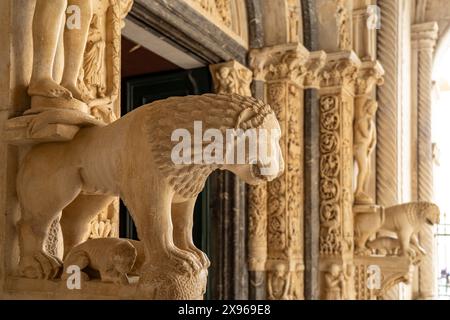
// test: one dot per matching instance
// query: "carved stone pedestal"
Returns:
(47, 126)
(173, 286)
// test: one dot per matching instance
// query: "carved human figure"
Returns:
(279, 283)
(94, 62)
(349, 291)
(363, 145)
(226, 81)
(334, 283)
(48, 24)
(342, 19)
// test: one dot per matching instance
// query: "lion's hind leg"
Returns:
(76, 218)
(43, 192)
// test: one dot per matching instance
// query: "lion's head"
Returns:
(260, 131)
(173, 128)
(430, 213)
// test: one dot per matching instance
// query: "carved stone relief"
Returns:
(283, 69)
(231, 77)
(337, 79)
(220, 9)
(343, 20)
(228, 14)
(294, 21)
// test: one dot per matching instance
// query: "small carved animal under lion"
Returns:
(406, 220)
(387, 246)
(110, 259)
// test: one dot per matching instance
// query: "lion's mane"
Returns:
(216, 112)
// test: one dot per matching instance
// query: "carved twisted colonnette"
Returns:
(424, 37)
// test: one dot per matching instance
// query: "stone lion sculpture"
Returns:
(406, 220)
(110, 259)
(131, 158)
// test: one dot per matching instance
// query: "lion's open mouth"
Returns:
(262, 172)
(256, 172)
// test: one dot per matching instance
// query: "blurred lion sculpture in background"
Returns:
(406, 220)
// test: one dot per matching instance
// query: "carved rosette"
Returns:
(283, 69)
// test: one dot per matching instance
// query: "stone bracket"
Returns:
(374, 276)
(48, 126)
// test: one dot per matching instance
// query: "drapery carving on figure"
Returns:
(93, 71)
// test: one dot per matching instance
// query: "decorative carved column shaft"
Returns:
(424, 38)
(282, 67)
(336, 174)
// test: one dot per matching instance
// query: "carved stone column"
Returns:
(230, 266)
(388, 96)
(282, 67)
(423, 39)
(336, 173)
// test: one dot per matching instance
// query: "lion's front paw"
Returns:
(122, 279)
(184, 261)
(40, 265)
(204, 260)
